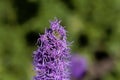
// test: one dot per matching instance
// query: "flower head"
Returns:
(78, 67)
(51, 59)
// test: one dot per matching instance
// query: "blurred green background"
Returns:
(91, 24)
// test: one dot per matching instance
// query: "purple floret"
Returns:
(51, 59)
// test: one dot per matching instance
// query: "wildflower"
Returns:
(51, 59)
(78, 67)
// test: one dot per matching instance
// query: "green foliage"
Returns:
(97, 19)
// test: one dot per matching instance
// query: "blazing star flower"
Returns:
(78, 67)
(51, 59)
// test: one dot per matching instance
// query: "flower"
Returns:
(51, 59)
(78, 67)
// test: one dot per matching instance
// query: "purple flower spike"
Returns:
(78, 67)
(51, 59)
